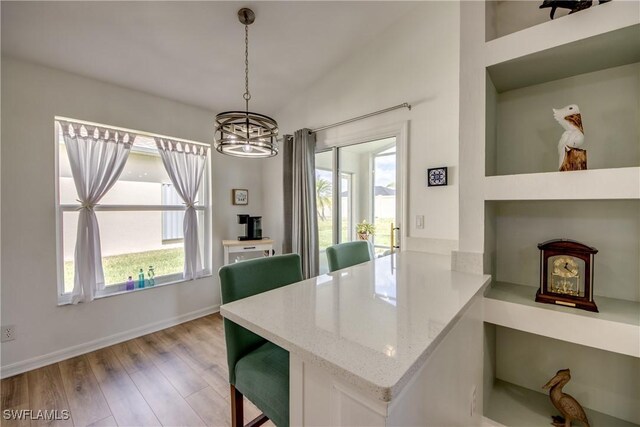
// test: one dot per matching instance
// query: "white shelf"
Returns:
(511, 405)
(599, 38)
(594, 39)
(615, 328)
(595, 184)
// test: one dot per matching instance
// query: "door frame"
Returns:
(399, 130)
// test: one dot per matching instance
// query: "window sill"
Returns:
(65, 299)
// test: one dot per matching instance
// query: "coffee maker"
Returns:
(253, 227)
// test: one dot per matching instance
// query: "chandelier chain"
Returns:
(247, 94)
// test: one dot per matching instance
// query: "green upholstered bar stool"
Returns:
(258, 369)
(345, 255)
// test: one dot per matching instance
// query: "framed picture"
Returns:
(437, 177)
(240, 196)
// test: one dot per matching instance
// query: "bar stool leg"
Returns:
(237, 416)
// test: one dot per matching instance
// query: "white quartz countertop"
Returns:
(373, 325)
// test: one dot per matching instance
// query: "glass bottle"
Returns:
(130, 284)
(151, 274)
(141, 279)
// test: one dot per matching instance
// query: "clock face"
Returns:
(565, 275)
(565, 266)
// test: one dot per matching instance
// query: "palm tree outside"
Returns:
(324, 192)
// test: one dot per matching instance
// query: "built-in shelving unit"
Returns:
(579, 57)
(595, 28)
(512, 405)
(566, 47)
(592, 59)
(615, 328)
(532, 64)
(519, 363)
(595, 184)
(522, 135)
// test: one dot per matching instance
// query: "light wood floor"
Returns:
(174, 377)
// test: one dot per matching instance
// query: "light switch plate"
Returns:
(420, 221)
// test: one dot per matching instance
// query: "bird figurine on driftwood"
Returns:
(573, 5)
(569, 407)
(573, 137)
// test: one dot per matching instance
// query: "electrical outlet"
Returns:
(473, 401)
(8, 333)
(420, 221)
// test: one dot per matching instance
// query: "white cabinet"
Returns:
(242, 250)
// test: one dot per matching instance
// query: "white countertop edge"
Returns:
(395, 390)
(385, 393)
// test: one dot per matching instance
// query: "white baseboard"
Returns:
(77, 350)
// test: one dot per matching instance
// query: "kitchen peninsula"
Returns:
(386, 342)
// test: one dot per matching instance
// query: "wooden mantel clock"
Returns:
(566, 274)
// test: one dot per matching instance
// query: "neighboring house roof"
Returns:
(383, 191)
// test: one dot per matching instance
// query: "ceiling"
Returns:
(193, 52)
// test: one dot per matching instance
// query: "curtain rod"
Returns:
(136, 132)
(375, 113)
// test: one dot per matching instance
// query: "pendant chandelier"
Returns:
(243, 133)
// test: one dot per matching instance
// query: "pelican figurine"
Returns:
(569, 407)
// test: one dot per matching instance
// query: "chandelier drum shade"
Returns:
(244, 133)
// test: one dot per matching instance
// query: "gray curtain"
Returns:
(300, 215)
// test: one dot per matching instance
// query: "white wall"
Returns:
(416, 60)
(472, 135)
(31, 96)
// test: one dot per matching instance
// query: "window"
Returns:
(346, 207)
(384, 197)
(140, 221)
(324, 204)
(363, 187)
(171, 220)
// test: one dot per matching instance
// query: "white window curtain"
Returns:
(97, 157)
(185, 165)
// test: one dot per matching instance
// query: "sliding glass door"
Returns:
(354, 184)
